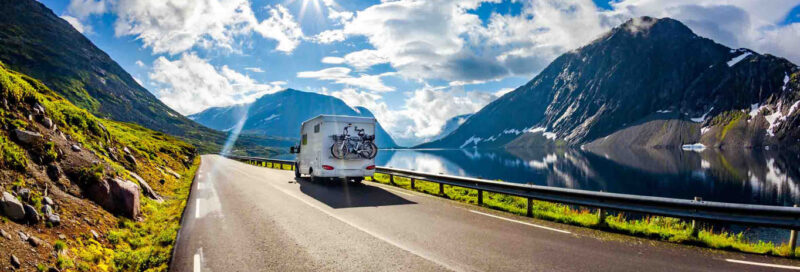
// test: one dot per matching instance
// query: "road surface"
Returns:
(246, 218)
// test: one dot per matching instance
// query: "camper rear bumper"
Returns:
(343, 173)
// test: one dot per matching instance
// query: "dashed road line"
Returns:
(520, 222)
(197, 209)
(198, 260)
(763, 264)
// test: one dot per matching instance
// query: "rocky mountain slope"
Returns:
(648, 82)
(280, 114)
(80, 192)
(36, 42)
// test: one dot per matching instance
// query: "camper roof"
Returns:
(342, 118)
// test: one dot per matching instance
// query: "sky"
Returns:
(414, 64)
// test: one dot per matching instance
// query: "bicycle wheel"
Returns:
(336, 150)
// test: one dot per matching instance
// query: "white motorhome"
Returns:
(335, 146)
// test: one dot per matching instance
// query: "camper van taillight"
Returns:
(327, 167)
(371, 167)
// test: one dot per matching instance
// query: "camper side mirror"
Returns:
(294, 149)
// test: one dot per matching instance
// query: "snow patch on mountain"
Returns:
(702, 118)
(697, 147)
(739, 58)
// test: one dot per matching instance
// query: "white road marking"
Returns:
(520, 222)
(399, 192)
(764, 264)
(197, 209)
(198, 260)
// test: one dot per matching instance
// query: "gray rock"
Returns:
(15, 261)
(5, 234)
(39, 107)
(47, 122)
(54, 172)
(126, 197)
(48, 201)
(24, 193)
(131, 159)
(35, 242)
(47, 210)
(172, 172)
(11, 207)
(27, 137)
(126, 150)
(22, 236)
(146, 189)
(54, 219)
(76, 148)
(31, 214)
(95, 235)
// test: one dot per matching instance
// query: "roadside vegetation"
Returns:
(654, 227)
(67, 151)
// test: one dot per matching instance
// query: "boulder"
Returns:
(146, 189)
(47, 210)
(53, 219)
(171, 172)
(31, 214)
(48, 201)
(100, 193)
(22, 236)
(35, 242)
(27, 137)
(15, 262)
(131, 159)
(11, 207)
(126, 197)
(5, 234)
(47, 122)
(39, 107)
(24, 193)
(126, 150)
(76, 148)
(54, 172)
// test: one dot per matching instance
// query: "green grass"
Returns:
(654, 227)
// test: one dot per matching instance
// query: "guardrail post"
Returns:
(695, 224)
(391, 179)
(412, 183)
(601, 216)
(530, 207)
(480, 197)
(441, 188)
(793, 239)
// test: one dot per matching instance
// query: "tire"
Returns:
(296, 171)
(311, 175)
(337, 152)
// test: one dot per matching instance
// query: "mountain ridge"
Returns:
(645, 68)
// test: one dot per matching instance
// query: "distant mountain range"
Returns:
(650, 83)
(280, 114)
(36, 42)
(451, 125)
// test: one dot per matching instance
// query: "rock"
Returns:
(24, 193)
(76, 148)
(5, 234)
(48, 201)
(15, 261)
(54, 172)
(62, 237)
(47, 122)
(53, 219)
(47, 210)
(35, 242)
(31, 214)
(171, 172)
(22, 236)
(95, 235)
(11, 207)
(126, 196)
(131, 159)
(39, 107)
(27, 137)
(126, 150)
(146, 189)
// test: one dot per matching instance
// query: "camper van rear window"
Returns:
(316, 128)
(305, 139)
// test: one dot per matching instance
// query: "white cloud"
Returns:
(364, 59)
(333, 60)
(341, 75)
(281, 27)
(329, 36)
(190, 84)
(80, 27)
(254, 69)
(140, 63)
(84, 8)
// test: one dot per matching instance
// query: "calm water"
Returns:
(743, 176)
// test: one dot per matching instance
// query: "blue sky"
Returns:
(414, 64)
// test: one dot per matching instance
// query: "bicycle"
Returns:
(353, 147)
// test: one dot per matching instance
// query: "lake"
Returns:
(740, 176)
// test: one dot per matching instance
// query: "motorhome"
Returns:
(336, 147)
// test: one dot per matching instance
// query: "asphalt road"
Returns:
(246, 218)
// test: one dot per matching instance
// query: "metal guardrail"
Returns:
(744, 214)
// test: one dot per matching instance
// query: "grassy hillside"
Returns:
(56, 155)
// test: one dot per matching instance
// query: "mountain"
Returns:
(36, 42)
(451, 125)
(280, 114)
(648, 82)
